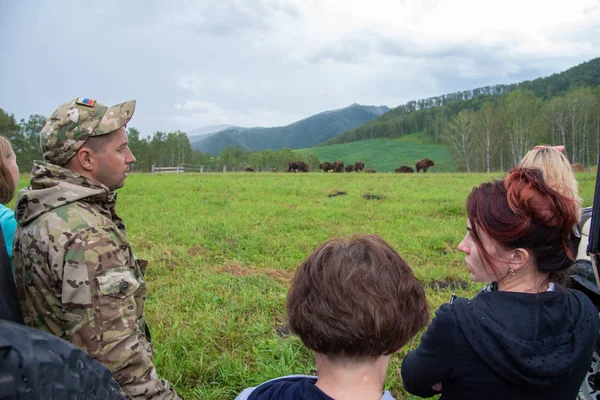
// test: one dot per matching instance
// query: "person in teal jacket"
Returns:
(9, 180)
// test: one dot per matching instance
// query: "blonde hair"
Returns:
(556, 170)
(7, 186)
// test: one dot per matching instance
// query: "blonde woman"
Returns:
(556, 170)
(9, 180)
(10, 310)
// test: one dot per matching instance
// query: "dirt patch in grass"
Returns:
(459, 284)
(283, 331)
(238, 270)
(197, 251)
(369, 196)
(337, 194)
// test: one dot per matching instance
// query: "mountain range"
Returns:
(304, 133)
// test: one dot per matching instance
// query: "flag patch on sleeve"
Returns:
(85, 102)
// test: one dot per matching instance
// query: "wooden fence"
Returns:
(181, 168)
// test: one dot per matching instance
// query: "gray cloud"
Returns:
(226, 17)
(256, 62)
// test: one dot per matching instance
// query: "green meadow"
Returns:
(223, 248)
(385, 155)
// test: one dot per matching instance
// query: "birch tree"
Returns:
(488, 134)
(459, 134)
(520, 110)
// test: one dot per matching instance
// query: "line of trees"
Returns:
(498, 134)
(161, 149)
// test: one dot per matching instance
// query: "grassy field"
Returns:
(223, 248)
(385, 155)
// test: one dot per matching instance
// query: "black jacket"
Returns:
(505, 345)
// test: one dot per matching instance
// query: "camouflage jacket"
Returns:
(78, 279)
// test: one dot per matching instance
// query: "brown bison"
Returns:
(370, 171)
(249, 169)
(326, 166)
(404, 170)
(424, 164)
(359, 166)
(577, 167)
(297, 166)
(349, 168)
(339, 166)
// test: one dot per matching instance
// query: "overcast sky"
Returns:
(191, 64)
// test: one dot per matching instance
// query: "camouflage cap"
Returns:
(74, 122)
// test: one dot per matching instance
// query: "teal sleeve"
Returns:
(9, 225)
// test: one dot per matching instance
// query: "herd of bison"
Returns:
(338, 166)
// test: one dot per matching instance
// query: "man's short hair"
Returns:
(98, 143)
(356, 298)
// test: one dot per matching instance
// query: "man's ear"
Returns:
(520, 257)
(85, 158)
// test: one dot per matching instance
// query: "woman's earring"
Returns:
(512, 272)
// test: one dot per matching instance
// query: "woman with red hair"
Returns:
(523, 337)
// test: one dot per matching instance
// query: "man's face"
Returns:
(113, 164)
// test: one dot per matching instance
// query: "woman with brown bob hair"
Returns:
(354, 302)
(524, 337)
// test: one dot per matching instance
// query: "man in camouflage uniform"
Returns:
(76, 273)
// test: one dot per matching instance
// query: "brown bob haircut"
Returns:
(356, 298)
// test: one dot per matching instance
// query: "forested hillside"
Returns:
(305, 133)
(491, 128)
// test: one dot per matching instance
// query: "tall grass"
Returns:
(223, 248)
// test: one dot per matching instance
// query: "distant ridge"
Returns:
(301, 134)
(200, 132)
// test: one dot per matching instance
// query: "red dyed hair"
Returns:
(522, 211)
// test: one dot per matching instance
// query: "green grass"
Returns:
(223, 248)
(385, 155)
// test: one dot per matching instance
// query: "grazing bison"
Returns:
(249, 169)
(577, 167)
(297, 166)
(326, 166)
(349, 168)
(339, 166)
(424, 164)
(404, 170)
(359, 166)
(370, 171)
